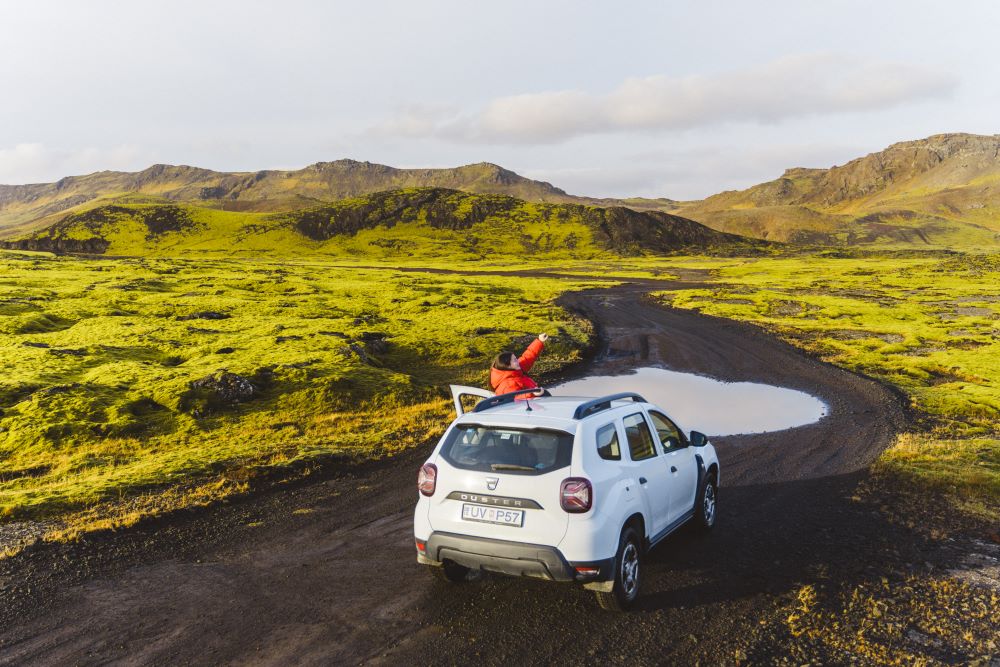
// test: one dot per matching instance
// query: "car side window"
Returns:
(640, 440)
(670, 435)
(607, 443)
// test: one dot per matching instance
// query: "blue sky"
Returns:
(674, 99)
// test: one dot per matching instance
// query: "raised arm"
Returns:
(530, 356)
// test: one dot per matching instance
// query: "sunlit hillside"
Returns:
(421, 222)
(939, 191)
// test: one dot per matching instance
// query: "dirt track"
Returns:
(326, 572)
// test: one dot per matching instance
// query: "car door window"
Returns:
(670, 436)
(607, 443)
(640, 439)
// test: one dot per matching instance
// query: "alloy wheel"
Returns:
(709, 503)
(630, 570)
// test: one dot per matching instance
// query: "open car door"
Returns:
(458, 391)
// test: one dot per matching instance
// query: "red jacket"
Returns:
(504, 382)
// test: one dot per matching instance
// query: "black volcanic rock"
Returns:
(62, 246)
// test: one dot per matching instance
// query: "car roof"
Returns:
(546, 412)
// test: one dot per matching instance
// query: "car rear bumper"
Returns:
(514, 558)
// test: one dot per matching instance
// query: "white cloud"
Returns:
(538, 118)
(36, 163)
(22, 159)
(413, 121)
(790, 87)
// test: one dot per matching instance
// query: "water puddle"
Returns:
(708, 405)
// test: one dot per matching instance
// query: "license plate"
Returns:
(497, 515)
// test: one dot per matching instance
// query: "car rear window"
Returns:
(607, 443)
(507, 450)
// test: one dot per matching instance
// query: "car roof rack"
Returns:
(501, 399)
(604, 403)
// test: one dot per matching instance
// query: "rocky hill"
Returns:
(413, 222)
(941, 190)
(27, 207)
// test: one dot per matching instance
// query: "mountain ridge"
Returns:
(943, 189)
(32, 206)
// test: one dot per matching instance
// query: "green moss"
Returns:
(416, 223)
(969, 469)
(103, 400)
(107, 407)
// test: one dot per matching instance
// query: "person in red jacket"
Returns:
(509, 372)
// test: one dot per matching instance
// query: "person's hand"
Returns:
(543, 337)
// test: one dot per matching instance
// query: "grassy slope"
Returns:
(893, 229)
(421, 223)
(98, 400)
(210, 232)
(928, 326)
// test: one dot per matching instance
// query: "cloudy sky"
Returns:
(660, 98)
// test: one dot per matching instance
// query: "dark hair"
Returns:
(504, 361)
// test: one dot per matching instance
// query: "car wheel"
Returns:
(628, 574)
(706, 506)
(453, 573)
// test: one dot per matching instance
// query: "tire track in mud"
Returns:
(326, 573)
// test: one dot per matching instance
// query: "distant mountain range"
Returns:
(27, 207)
(939, 191)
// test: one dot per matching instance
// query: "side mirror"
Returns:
(698, 439)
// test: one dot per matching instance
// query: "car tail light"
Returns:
(421, 546)
(576, 494)
(427, 479)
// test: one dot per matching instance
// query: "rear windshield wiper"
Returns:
(510, 466)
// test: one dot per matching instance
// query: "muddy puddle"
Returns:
(706, 404)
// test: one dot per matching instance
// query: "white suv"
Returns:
(560, 488)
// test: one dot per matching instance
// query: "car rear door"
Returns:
(654, 481)
(479, 495)
(680, 461)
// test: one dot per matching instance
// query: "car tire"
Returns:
(628, 574)
(706, 504)
(453, 573)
